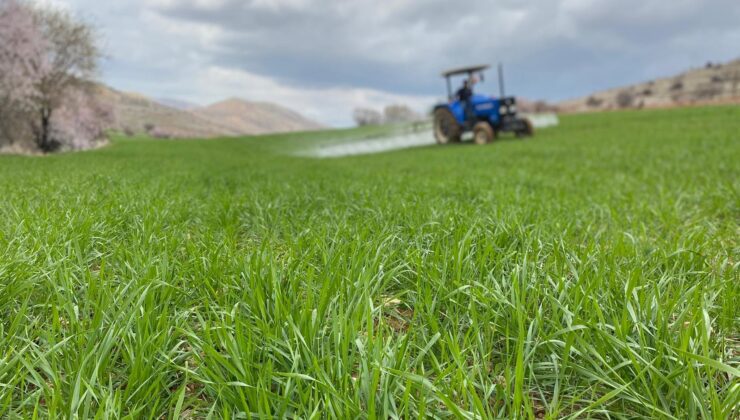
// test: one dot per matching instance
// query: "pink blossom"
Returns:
(81, 120)
(22, 60)
(46, 61)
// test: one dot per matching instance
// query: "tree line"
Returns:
(392, 114)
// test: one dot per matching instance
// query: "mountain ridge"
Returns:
(255, 117)
(136, 114)
(715, 83)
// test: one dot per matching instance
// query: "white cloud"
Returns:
(326, 56)
(333, 105)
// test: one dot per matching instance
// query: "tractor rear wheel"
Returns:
(483, 133)
(527, 131)
(446, 128)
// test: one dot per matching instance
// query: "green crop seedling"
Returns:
(589, 272)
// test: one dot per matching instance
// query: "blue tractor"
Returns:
(485, 116)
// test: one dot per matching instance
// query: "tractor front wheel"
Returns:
(446, 128)
(483, 133)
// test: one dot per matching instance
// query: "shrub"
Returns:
(399, 114)
(366, 116)
(160, 133)
(707, 91)
(594, 102)
(542, 106)
(625, 99)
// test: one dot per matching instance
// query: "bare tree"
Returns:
(542, 106)
(47, 61)
(394, 114)
(366, 116)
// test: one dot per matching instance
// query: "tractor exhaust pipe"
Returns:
(501, 79)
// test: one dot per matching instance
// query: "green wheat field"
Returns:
(592, 271)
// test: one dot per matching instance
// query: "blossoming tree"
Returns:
(48, 61)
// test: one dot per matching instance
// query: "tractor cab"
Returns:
(486, 116)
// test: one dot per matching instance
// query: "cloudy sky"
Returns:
(325, 57)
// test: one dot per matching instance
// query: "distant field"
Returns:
(593, 270)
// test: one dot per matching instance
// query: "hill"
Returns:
(255, 117)
(137, 114)
(177, 103)
(715, 83)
